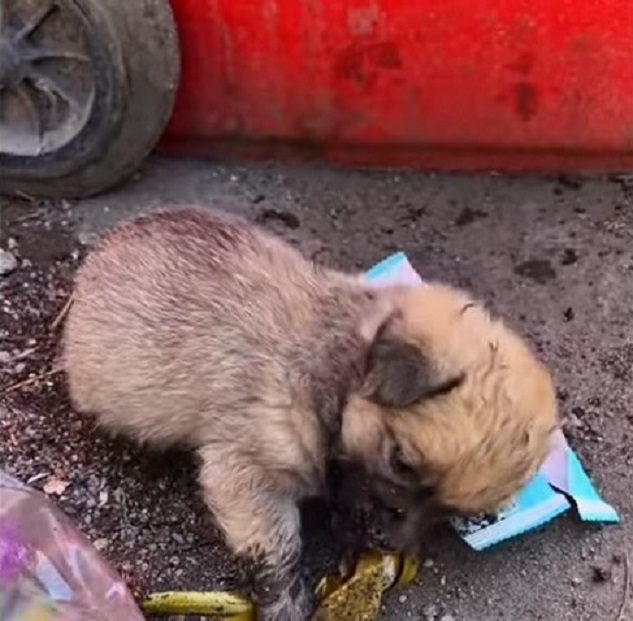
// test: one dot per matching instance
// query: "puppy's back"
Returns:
(181, 313)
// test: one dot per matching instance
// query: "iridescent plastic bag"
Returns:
(48, 570)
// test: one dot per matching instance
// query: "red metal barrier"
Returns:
(503, 84)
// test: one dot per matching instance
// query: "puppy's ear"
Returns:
(398, 374)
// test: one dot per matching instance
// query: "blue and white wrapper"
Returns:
(560, 483)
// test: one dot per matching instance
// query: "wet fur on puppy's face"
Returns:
(454, 416)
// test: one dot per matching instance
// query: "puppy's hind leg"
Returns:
(263, 527)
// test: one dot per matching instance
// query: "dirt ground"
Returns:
(555, 256)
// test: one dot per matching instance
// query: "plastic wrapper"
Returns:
(48, 570)
(560, 483)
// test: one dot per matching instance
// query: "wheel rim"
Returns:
(47, 80)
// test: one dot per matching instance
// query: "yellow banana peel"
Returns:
(358, 597)
(355, 595)
(214, 604)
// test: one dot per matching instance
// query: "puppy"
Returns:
(198, 328)
(454, 417)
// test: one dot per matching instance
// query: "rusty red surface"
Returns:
(505, 84)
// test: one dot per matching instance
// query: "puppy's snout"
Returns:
(368, 512)
(384, 528)
(398, 529)
(388, 518)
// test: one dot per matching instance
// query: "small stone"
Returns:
(447, 618)
(5, 357)
(576, 581)
(8, 262)
(430, 612)
(55, 486)
(101, 544)
(574, 422)
(429, 563)
(87, 239)
(179, 539)
(402, 599)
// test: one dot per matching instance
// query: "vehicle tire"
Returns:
(86, 89)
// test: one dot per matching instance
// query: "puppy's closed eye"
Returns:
(444, 388)
(400, 467)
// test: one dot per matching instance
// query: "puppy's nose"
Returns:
(384, 525)
(389, 515)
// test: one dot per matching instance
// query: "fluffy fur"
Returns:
(198, 328)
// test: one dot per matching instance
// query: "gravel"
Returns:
(554, 256)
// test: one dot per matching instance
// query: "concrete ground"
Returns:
(554, 256)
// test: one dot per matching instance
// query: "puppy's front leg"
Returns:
(263, 525)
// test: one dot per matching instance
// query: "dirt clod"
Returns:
(600, 574)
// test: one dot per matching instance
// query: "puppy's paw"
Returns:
(294, 605)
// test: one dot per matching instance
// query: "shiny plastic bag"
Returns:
(48, 570)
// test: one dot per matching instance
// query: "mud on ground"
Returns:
(554, 256)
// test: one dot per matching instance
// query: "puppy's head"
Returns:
(454, 416)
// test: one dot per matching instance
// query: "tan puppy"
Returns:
(466, 447)
(200, 329)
